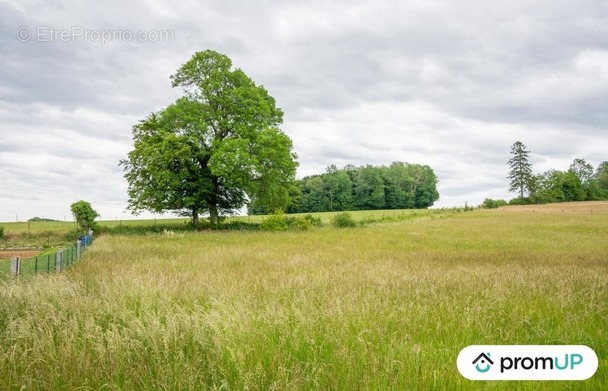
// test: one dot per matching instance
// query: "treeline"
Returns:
(579, 183)
(397, 186)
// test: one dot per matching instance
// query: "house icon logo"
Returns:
(485, 361)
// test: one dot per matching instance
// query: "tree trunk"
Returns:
(213, 215)
(195, 217)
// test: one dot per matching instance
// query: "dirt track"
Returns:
(7, 254)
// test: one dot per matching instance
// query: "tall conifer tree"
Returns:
(520, 173)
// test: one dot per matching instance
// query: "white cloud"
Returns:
(448, 84)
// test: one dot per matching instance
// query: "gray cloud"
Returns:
(448, 84)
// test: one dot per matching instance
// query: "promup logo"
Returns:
(482, 359)
(527, 362)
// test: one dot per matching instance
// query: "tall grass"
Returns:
(384, 306)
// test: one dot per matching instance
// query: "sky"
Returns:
(448, 84)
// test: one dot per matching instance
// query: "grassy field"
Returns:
(36, 227)
(27, 239)
(384, 306)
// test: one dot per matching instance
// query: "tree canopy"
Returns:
(213, 149)
(84, 214)
(397, 186)
(578, 183)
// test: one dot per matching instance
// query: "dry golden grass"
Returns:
(583, 208)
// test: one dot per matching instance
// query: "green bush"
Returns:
(275, 222)
(303, 223)
(298, 223)
(343, 220)
(314, 221)
(489, 203)
(1, 232)
(521, 201)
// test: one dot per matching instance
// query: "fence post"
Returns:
(58, 261)
(15, 266)
(78, 249)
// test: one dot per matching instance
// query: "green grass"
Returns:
(44, 234)
(384, 306)
(38, 226)
(42, 263)
(61, 226)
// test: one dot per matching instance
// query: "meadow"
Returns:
(384, 306)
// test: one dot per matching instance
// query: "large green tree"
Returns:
(369, 188)
(520, 169)
(212, 150)
(601, 178)
(338, 189)
(582, 170)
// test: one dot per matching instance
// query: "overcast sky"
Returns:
(450, 84)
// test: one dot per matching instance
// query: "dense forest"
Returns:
(397, 186)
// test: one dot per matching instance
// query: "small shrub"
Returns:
(303, 223)
(314, 221)
(298, 223)
(275, 222)
(521, 201)
(343, 220)
(489, 203)
(2, 232)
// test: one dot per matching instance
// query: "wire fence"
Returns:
(48, 263)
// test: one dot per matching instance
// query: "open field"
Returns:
(65, 226)
(26, 238)
(385, 306)
(582, 208)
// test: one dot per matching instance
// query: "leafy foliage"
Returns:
(84, 214)
(344, 220)
(398, 186)
(601, 180)
(489, 203)
(274, 222)
(279, 222)
(213, 148)
(579, 183)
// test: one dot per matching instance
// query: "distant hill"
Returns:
(40, 219)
